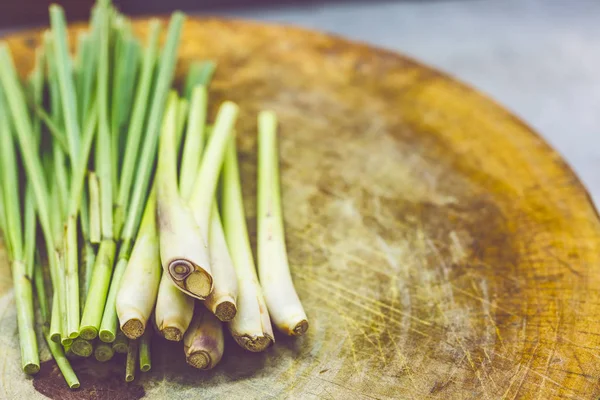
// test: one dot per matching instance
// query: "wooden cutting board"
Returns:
(441, 248)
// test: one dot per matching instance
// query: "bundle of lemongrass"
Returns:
(118, 250)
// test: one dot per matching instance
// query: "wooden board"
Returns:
(441, 248)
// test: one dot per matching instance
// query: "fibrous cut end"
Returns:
(173, 334)
(226, 311)
(199, 359)
(133, 329)
(199, 283)
(254, 344)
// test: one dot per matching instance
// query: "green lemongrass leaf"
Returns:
(94, 207)
(36, 84)
(194, 140)
(80, 169)
(62, 180)
(127, 58)
(207, 177)
(54, 130)
(137, 122)
(30, 231)
(166, 71)
(103, 141)
(65, 80)
(199, 74)
(10, 181)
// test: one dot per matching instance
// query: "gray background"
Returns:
(539, 58)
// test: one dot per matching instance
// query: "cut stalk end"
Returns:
(55, 337)
(107, 336)
(300, 328)
(133, 328)
(199, 359)
(82, 347)
(31, 368)
(180, 269)
(254, 344)
(226, 310)
(199, 283)
(103, 352)
(173, 334)
(66, 342)
(88, 332)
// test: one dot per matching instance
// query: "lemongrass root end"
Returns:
(226, 311)
(254, 344)
(133, 329)
(300, 328)
(199, 359)
(173, 334)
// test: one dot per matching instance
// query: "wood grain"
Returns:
(441, 248)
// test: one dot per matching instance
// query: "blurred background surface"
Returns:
(538, 58)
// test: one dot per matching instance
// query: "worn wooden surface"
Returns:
(441, 248)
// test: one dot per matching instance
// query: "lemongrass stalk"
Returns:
(166, 71)
(10, 183)
(36, 84)
(94, 190)
(137, 295)
(109, 324)
(103, 141)
(30, 232)
(63, 363)
(183, 250)
(121, 343)
(136, 125)
(283, 303)
(55, 321)
(71, 278)
(251, 327)
(40, 288)
(203, 342)
(62, 179)
(222, 302)
(174, 310)
(223, 299)
(145, 354)
(94, 305)
(83, 348)
(205, 184)
(182, 112)
(131, 363)
(194, 140)
(89, 260)
(65, 80)
(103, 352)
(199, 74)
(30, 361)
